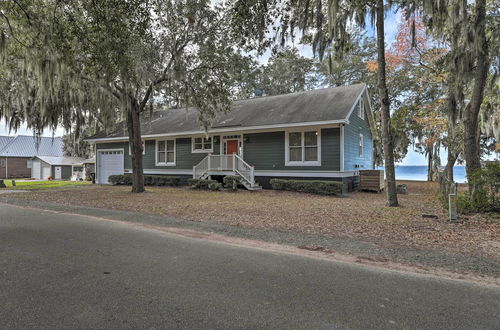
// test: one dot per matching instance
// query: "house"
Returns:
(57, 168)
(322, 134)
(88, 168)
(16, 153)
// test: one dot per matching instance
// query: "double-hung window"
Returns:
(202, 144)
(361, 109)
(303, 148)
(165, 152)
(361, 145)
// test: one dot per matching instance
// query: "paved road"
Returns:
(60, 271)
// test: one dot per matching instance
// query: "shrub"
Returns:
(202, 184)
(308, 186)
(149, 180)
(231, 181)
(123, 179)
(214, 186)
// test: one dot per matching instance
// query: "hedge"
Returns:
(149, 180)
(308, 186)
(204, 184)
(232, 181)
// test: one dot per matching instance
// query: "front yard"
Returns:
(35, 185)
(361, 216)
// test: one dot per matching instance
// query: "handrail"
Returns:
(225, 163)
(201, 168)
(244, 169)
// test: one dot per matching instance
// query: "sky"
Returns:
(391, 25)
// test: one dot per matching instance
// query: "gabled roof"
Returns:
(65, 160)
(5, 140)
(328, 105)
(26, 146)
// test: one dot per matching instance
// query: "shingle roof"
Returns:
(65, 160)
(328, 104)
(25, 146)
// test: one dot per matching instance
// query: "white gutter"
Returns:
(228, 129)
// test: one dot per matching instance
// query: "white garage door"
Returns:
(46, 171)
(110, 163)
(35, 169)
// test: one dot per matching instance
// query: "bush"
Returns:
(232, 181)
(203, 184)
(214, 186)
(485, 194)
(124, 179)
(308, 186)
(149, 180)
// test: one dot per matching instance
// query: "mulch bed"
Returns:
(362, 215)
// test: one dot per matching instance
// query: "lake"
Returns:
(419, 173)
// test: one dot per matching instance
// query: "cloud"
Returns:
(23, 130)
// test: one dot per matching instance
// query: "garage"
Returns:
(110, 162)
(35, 170)
(46, 171)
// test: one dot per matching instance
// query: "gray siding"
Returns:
(266, 151)
(351, 143)
(184, 158)
(65, 171)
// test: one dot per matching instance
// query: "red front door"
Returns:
(232, 147)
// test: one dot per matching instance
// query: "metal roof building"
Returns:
(29, 146)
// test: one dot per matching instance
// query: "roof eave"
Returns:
(229, 129)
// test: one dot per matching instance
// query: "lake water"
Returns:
(419, 173)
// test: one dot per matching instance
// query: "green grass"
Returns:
(34, 185)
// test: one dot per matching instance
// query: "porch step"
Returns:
(251, 187)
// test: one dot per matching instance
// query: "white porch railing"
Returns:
(244, 169)
(234, 163)
(202, 168)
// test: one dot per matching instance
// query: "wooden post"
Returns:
(452, 201)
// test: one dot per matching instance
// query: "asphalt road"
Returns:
(65, 271)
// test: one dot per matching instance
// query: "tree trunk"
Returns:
(471, 128)
(135, 141)
(390, 174)
(448, 170)
(430, 168)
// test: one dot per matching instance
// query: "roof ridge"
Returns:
(299, 92)
(270, 96)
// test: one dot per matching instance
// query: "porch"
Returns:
(227, 165)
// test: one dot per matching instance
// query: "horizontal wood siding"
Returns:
(184, 158)
(371, 180)
(351, 143)
(17, 167)
(66, 171)
(266, 151)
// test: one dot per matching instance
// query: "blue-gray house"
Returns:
(321, 134)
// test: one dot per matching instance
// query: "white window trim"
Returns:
(156, 153)
(361, 109)
(199, 151)
(143, 148)
(287, 149)
(361, 145)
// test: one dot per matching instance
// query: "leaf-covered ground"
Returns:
(362, 215)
